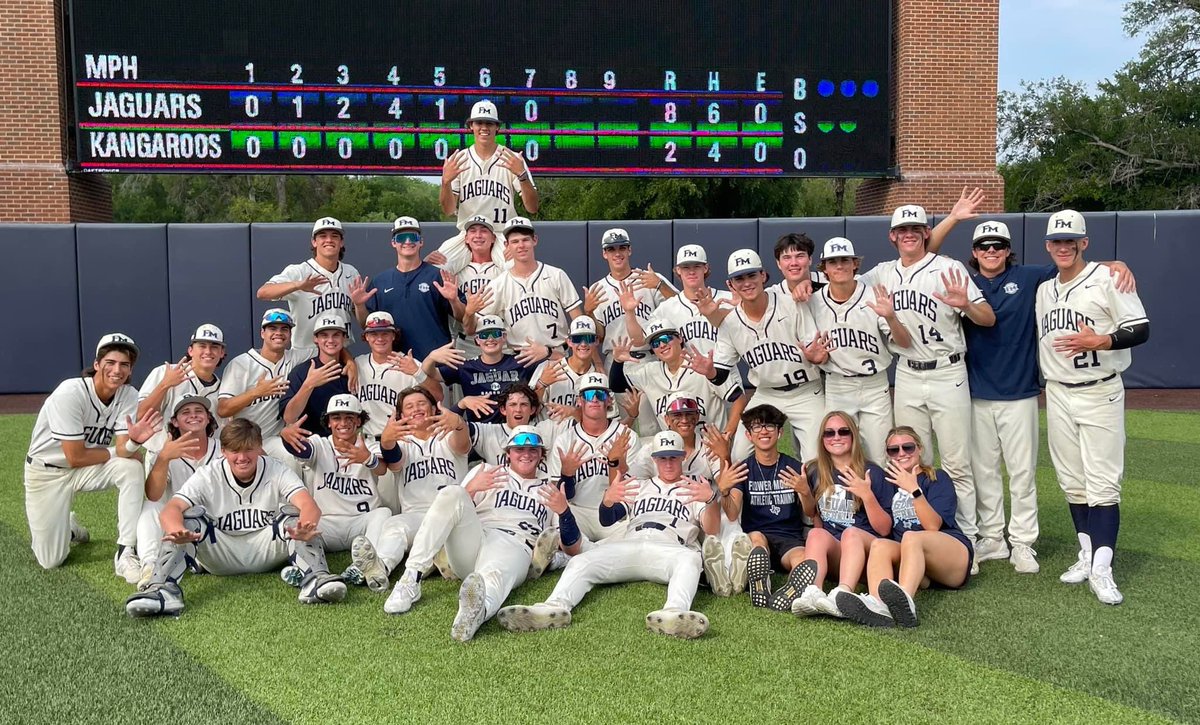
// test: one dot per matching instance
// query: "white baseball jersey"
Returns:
(236, 509)
(697, 463)
(694, 328)
(306, 307)
(339, 487)
(515, 507)
(562, 392)
(488, 440)
(428, 466)
(378, 387)
(472, 278)
(858, 338)
(534, 307)
(658, 384)
(485, 188)
(659, 510)
(243, 372)
(1091, 299)
(74, 413)
(769, 346)
(591, 480)
(179, 470)
(610, 314)
(935, 327)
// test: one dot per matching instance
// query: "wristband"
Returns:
(614, 462)
(112, 451)
(524, 175)
(568, 528)
(392, 455)
(712, 499)
(131, 447)
(372, 462)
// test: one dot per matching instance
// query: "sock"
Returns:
(1079, 517)
(121, 549)
(1105, 522)
(1085, 544)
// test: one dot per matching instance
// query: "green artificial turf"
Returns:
(1008, 648)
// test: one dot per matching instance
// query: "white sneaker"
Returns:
(533, 618)
(677, 623)
(323, 588)
(127, 565)
(828, 605)
(806, 604)
(367, 561)
(406, 593)
(1079, 571)
(714, 567)
(559, 561)
(1103, 586)
(543, 553)
(472, 607)
(990, 550)
(79, 533)
(1024, 559)
(738, 577)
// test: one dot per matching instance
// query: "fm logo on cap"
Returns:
(838, 247)
(904, 213)
(210, 334)
(1063, 223)
(690, 253)
(993, 229)
(741, 261)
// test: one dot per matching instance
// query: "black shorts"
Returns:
(779, 545)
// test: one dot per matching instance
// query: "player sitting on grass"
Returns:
(853, 505)
(666, 514)
(926, 541)
(243, 514)
(489, 526)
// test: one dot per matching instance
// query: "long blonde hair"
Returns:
(826, 472)
(904, 430)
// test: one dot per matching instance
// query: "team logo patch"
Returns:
(1011, 288)
(774, 510)
(424, 287)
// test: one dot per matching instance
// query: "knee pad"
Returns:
(197, 520)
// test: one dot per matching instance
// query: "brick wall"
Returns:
(944, 57)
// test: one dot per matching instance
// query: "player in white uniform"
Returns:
(665, 514)
(691, 266)
(82, 441)
(557, 379)
(482, 181)
(315, 286)
(520, 406)
(477, 274)
(195, 374)
(793, 255)
(860, 324)
(489, 526)
(537, 301)
(243, 514)
(382, 374)
(929, 294)
(1085, 330)
(623, 293)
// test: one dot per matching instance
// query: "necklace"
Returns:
(762, 475)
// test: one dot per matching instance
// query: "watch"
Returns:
(917, 493)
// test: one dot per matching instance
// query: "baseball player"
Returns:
(930, 295)
(315, 286)
(862, 328)
(557, 379)
(345, 486)
(253, 383)
(85, 439)
(488, 526)
(479, 272)
(191, 444)
(194, 374)
(1085, 331)
(624, 293)
(480, 181)
(794, 254)
(382, 374)
(312, 382)
(519, 406)
(243, 514)
(691, 266)
(666, 514)
(536, 301)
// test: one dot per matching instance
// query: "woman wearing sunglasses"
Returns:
(851, 506)
(926, 542)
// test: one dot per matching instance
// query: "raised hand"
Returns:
(591, 300)
(574, 457)
(144, 428)
(559, 412)
(480, 405)
(294, 435)
(626, 297)
(486, 479)
(860, 486)
(700, 363)
(631, 403)
(186, 445)
(817, 351)
(531, 353)
(479, 300)
(268, 387)
(312, 284)
(798, 482)
(514, 162)
(622, 490)
(445, 422)
(619, 446)
(956, 290)
(553, 372)
(622, 347)
(553, 497)
(447, 355)
(645, 278)
(730, 476)
(355, 452)
(177, 373)
(902, 479)
(966, 205)
(694, 490)
(882, 304)
(404, 363)
(448, 287)
(319, 375)
(455, 164)
(395, 430)
(718, 443)
(359, 294)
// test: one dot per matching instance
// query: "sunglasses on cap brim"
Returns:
(278, 318)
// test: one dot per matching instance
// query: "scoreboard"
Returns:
(621, 87)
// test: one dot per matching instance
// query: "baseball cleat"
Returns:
(158, 600)
(559, 561)
(864, 609)
(353, 576)
(990, 550)
(899, 603)
(533, 618)
(442, 562)
(798, 580)
(827, 604)
(1024, 559)
(1079, 571)
(323, 588)
(543, 552)
(127, 565)
(676, 623)
(737, 563)
(472, 608)
(406, 593)
(806, 604)
(79, 533)
(1102, 585)
(368, 563)
(714, 567)
(291, 575)
(758, 571)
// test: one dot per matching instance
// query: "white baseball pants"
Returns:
(639, 556)
(1008, 428)
(1086, 433)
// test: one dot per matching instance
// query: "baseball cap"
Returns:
(119, 339)
(484, 111)
(332, 320)
(592, 381)
(744, 261)
(478, 220)
(909, 214)
(277, 316)
(583, 325)
(187, 399)
(991, 230)
(379, 322)
(208, 333)
(525, 436)
(691, 254)
(1066, 224)
(518, 223)
(344, 403)
(489, 322)
(614, 237)
(682, 403)
(327, 222)
(660, 327)
(667, 444)
(837, 248)
(406, 223)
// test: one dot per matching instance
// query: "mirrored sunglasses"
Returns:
(526, 440)
(278, 318)
(908, 448)
(661, 340)
(490, 334)
(583, 339)
(594, 396)
(406, 238)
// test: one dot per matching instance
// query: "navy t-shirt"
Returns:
(479, 378)
(421, 313)
(940, 495)
(1002, 359)
(836, 507)
(318, 400)
(769, 505)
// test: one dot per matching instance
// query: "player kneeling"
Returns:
(665, 513)
(243, 514)
(489, 527)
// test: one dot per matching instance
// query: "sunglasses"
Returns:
(661, 340)
(836, 433)
(583, 339)
(760, 427)
(908, 448)
(490, 334)
(596, 396)
(991, 245)
(406, 238)
(278, 318)
(526, 440)
(686, 405)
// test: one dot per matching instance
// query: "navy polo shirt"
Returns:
(479, 378)
(1002, 359)
(318, 400)
(421, 313)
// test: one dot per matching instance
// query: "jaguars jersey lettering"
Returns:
(515, 507)
(858, 338)
(427, 466)
(534, 307)
(935, 327)
(340, 488)
(664, 505)
(769, 346)
(238, 510)
(485, 188)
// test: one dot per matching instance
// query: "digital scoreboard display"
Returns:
(612, 88)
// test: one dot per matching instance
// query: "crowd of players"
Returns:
(505, 422)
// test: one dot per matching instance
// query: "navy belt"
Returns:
(30, 460)
(788, 388)
(656, 526)
(1090, 382)
(933, 364)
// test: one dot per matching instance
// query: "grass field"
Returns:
(1008, 648)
